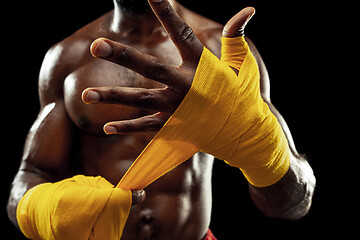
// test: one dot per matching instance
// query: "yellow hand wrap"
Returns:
(78, 208)
(224, 115)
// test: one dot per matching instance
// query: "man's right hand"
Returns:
(76, 208)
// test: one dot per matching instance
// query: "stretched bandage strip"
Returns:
(224, 115)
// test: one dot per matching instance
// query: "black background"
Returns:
(300, 44)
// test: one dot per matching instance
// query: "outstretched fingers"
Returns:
(144, 64)
(162, 100)
(179, 80)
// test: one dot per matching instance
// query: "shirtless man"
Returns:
(68, 136)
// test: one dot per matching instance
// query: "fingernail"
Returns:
(100, 48)
(91, 97)
(110, 130)
(250, 15)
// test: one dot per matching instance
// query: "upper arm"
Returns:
(47, 148)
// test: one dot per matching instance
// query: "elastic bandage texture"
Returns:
(223, 114)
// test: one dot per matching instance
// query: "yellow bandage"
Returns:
(78, 208)
(223, 114)
(233, 51)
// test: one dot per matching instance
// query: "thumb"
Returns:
(236, 25)
(138, 196)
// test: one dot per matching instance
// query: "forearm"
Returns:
(46, 155)
(24, 180)
(291, 197)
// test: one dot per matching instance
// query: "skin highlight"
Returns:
(103, 110)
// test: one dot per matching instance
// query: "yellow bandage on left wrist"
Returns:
(262, 150)
(223, 114)
(78, 208)
(233, 51)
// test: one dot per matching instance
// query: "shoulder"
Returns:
(59, 61)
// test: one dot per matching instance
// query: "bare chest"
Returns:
(98, 73)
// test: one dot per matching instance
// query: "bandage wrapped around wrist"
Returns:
(78, 208)
(223, 114)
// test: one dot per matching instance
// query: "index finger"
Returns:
(180, 33)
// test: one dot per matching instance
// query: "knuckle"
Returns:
(154, 125)
(172, 99)
(147, 100)
(167, 11)
(126, 127)
(122, 55)
(159, 70)
(111, 95)
(173, 104)
(186, 34)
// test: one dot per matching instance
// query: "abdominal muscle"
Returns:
(177, 206)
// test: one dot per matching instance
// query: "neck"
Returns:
(134, 15)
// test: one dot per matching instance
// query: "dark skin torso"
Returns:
(68, 137)
(178, 205)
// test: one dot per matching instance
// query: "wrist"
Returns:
(73, 208)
